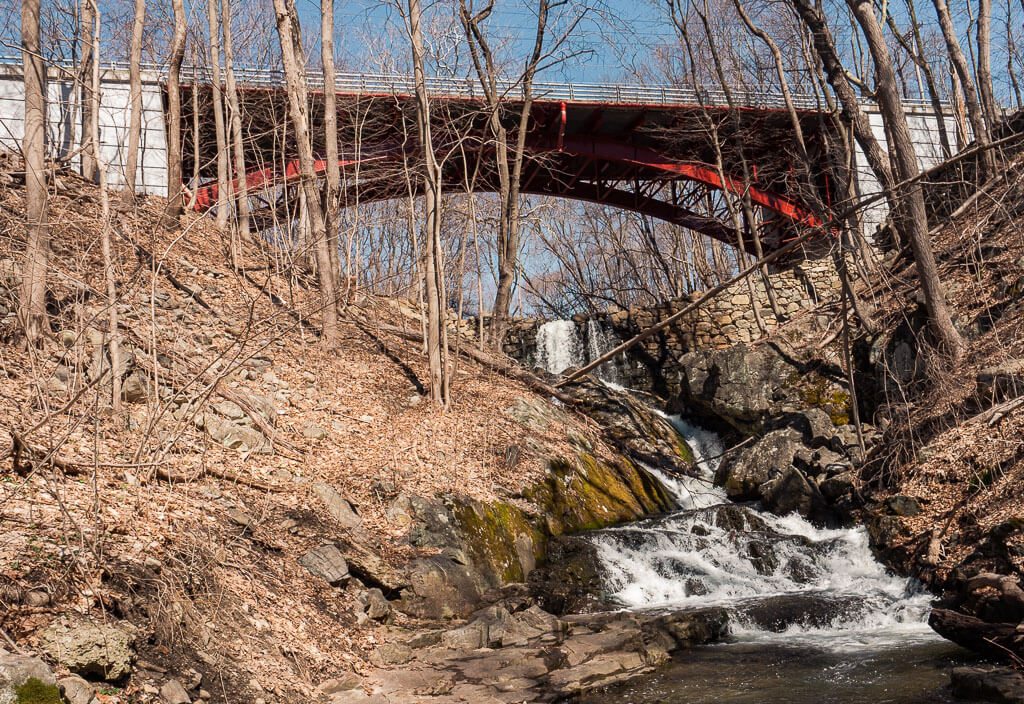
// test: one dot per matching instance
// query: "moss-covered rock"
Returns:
(35, 691)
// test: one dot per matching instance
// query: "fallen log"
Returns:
(996, 639)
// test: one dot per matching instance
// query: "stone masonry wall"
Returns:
(725, 320)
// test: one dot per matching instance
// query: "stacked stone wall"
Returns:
(726, 319)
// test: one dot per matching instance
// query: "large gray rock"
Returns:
(135, 388)
(337, 506)
(17, 670)
(740, 385)
(173, 693)
(1001, 685)
(100, 363)
(441, 589)
(105, 650)
(745, 469)
(327, 563)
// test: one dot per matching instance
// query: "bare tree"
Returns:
(174, 155)
(959, 61)
(241, 189)
(433, 268)
(85, 75)
(909, 208)
(986, 93)
(333, 181)
(288, 33)
(218, 121)
(135, 118)
(32, 308)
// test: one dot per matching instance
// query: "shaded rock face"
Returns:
(571, 580)
(1000, 685)
(104, 650)
(737, 386)
(628, 420)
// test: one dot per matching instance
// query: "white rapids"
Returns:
(825, 583)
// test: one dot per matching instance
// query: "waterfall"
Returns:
(559, 346)
(774, 574)
(600, 341)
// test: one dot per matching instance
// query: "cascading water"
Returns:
(773, 573)
(814, 617)
(560, 346)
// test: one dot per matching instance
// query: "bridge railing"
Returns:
(469, 88)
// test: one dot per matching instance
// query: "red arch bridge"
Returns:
(683, 157)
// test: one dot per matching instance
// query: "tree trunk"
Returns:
(218, 121)
(32, 306)
(986, 93)
(241, 191)
(433, 271)
(174, 155)
(85, 71)
(909, 211)
(131, 163)
(825, 46)
(288, 34)
(108, 264)
(974, 112)
(333, 183)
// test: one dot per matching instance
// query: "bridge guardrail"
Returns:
(439, 86)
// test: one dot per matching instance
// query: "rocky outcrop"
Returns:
(515, 651)
(103, 650)
(997, 685)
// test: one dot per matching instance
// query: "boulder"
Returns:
(744, 469)
(441, 589)
(571, 579)
(740, 385)
(327, 563)
(1002, 685)
(135, 388)
(234, 436)
(104, 650)
(372, 605)
(1001, 382)
(100, 363)
(792, 493)
(76, 690)
(173, 693)
(337, 506)
(21, 673)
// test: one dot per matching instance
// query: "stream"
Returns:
(814, 616)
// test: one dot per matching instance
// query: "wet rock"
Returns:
(17, 671)
(173, 693)
(743, 470)
(1000, 685)
(792, 493)
(327, 563)
(808, 610)
(571, 579)
(337, 506)
(104, 650)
